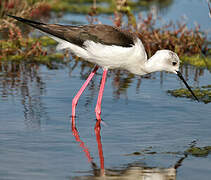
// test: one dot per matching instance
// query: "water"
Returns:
(36, 140)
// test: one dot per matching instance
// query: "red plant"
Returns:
(176, 38)
(42, 9)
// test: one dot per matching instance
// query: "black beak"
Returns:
(186, 84)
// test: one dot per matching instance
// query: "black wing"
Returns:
(104, 34)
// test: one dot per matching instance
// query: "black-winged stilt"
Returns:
(110, 48)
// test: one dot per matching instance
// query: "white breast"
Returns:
(115, 56)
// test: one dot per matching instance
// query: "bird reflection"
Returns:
(132, 171)
(82, 144)
(96, 172)
(100, 147)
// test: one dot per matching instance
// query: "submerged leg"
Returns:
(75, 99)
(100, 95)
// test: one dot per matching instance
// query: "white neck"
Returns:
(153, 64)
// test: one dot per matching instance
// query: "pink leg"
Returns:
(100, 95)
(100, 148)
(75, 99)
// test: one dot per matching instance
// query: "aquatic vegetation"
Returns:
(197, 60)
(203, 93)
(191, 150)
(199, 151)
(18, 49)
(14, 44)
(24, 47)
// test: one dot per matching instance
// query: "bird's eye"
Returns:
(174, 63)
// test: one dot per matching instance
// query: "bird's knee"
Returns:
(97, 110)
(74, 102)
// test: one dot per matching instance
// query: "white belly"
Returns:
(109, 57)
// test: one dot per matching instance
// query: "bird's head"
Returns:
(168, 61)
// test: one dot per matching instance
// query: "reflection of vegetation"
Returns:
(203, 93)
(24, 80)
(121, 82)
(14, 75)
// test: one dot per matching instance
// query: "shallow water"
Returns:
(145, 128)
(37, 141)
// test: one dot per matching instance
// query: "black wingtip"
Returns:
(16, 17)
(29, 22)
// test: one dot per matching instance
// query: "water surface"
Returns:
(36, 140)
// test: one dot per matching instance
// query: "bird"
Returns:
(108, 47)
